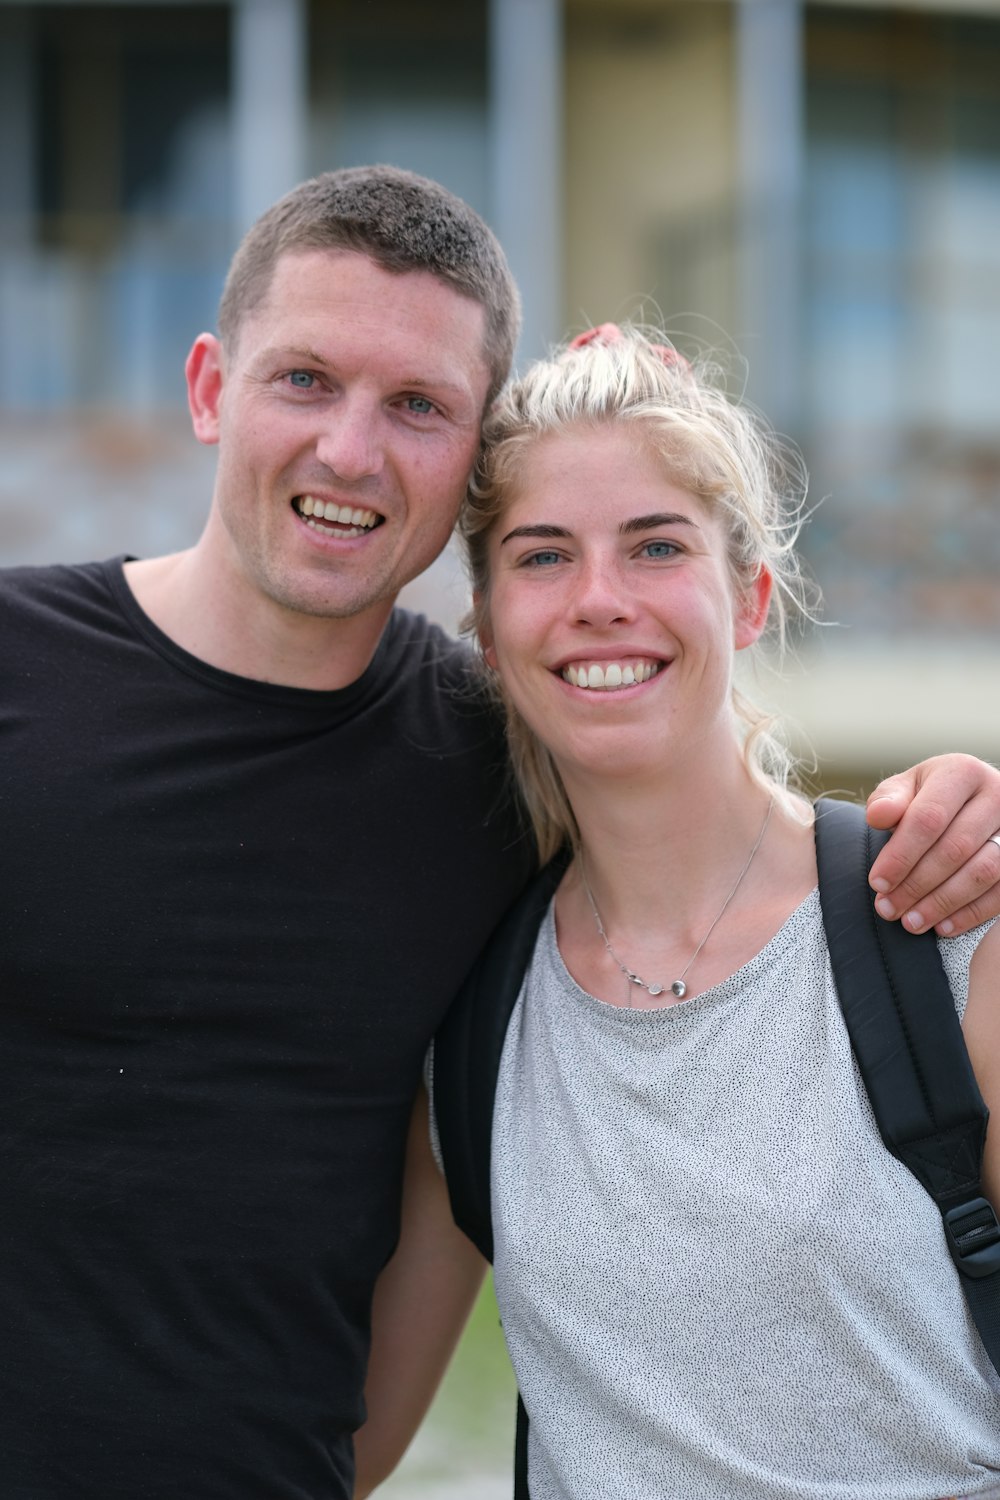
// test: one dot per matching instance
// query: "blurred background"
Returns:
(813, 189)
(815, 186)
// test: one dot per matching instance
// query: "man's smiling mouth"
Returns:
(336, 520)
(610, 676)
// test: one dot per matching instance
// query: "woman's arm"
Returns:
(422, 1300)
(981, 1027)
(940, 868)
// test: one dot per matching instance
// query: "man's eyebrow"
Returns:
(427, 381)
(292, 351)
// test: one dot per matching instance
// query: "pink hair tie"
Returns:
(604, 333)
(610, 333)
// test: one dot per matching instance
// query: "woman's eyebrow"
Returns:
(658, 518)
(549, 532)
(540, 530)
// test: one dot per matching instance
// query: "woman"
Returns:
(683, 1157)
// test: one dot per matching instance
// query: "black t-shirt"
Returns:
(232, 915)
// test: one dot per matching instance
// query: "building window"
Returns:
(901, 245)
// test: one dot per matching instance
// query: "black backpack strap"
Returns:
(521, 1491)
(467, 1051)
(908, 1042)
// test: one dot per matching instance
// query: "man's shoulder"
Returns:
(442, 686)
(431, 658)
(416, 633)
(53, 619)
(53, 585)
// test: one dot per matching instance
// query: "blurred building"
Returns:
(815, 186)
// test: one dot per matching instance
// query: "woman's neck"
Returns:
(661, 840)
(695, 860)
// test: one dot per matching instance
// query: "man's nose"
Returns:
(350, 442)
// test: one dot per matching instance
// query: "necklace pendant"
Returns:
(678, 989)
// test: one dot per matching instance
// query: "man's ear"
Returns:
(205, 378)
(752, 605)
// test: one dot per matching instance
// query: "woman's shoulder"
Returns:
(957, 954)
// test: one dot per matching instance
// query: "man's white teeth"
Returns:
(610, 675)
(344, 515)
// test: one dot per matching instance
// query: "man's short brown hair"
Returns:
(400, 221)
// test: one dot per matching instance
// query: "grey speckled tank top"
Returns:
(694, 1299)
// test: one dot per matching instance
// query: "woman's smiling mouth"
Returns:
(610, 676)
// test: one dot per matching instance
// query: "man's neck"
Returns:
(252, 636)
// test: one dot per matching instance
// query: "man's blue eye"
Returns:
(660, 549)
(543, 559)
(420, 405)
(303, 379)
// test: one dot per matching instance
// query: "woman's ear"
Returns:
(752, 605)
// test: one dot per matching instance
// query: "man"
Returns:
(254, 834)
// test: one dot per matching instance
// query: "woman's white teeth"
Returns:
(344, 515)
(611, 675)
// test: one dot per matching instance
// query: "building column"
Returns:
(20, 171)
(526, 158)
(771, 149)
(269, 102)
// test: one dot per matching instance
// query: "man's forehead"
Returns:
(335, 266)
(446, 323)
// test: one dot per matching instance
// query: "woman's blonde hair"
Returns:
(716, 449)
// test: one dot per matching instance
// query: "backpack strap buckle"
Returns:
(974, 1237)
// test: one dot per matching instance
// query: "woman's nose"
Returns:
(602, 597)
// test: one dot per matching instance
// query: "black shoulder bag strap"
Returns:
(467, 1051)
(908, 1042)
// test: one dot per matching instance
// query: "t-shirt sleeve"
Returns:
(956, 955)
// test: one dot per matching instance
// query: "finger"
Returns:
(958, 902)
(951, 780)
(928, 835)
(904, 881)
(973, 915)
(890, 799)
(957, 794)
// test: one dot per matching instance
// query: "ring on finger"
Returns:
(994, 838)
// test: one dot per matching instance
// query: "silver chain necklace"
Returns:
(678, 987)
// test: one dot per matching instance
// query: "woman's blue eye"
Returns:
(303, 379)
(542, 559)
(660, 549)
